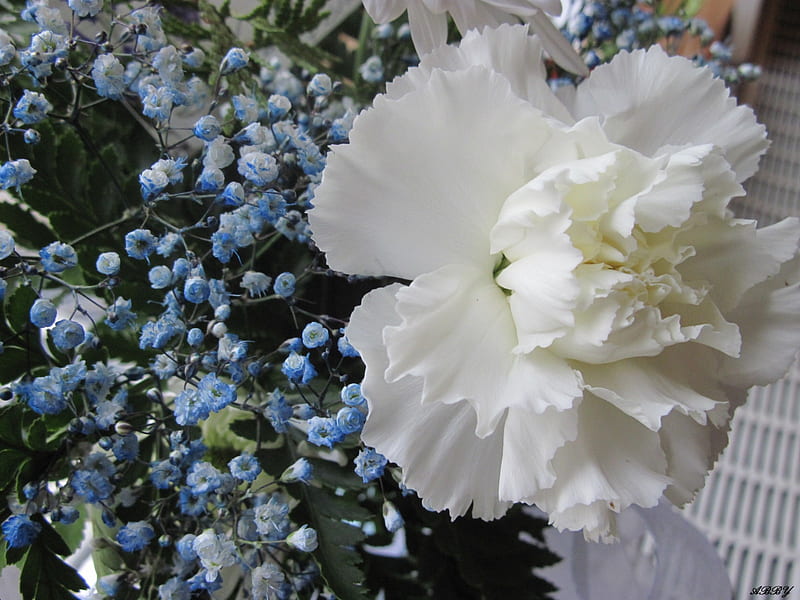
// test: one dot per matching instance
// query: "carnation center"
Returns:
(581, 273)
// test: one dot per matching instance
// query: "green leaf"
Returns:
(111, 205)
(15, 361)
(14, 555)
(45, 151)
(36, 438)
(43, 199)
(339, 562)
(10, 425)
(251, 426)
(107, 556)
(50, 537)
(473, 559)
(10, 461)
(44, 576)
(692, 7)
(73, 533)
(25, 474)
(57, 428)
(18, 306)
(67, 224)
(309, 57)
(72, 173)
(334, 476)
(27, 230)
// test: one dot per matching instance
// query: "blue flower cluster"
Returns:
(601, 29)
(212, 279)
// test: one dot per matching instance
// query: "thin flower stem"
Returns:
(95, 231)
(363, 36)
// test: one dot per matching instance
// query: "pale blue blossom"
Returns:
(235, 59)
(15, 173)
(109, 76)
(215, 552)
(7, 244)
(258, 168)
(86, 8)
(32, 107)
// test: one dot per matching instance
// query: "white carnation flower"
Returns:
(427, 20)
(584, 312)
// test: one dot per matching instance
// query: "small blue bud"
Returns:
(43, 313)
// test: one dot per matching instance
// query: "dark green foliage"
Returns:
(292, 16)
(339, 561)
(42, 557)
(331, 511)
(254, 427)
(17, 308)
(30, 445)
(28, 231)
(465, 559)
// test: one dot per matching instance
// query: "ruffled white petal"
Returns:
(689, 176)
(527, 8)
(769, 318)
(457, 334)
(557, 46)
(383, 11)
(584, 313)
(428, 29)
(692, 449)
(529, 443)
(614, 462)
(477, 15)
(648, 100)
(690, 456)
(540, 276)
(731, 256)
(508, 50)
(442, 458)
(450, 153)
(648, 389)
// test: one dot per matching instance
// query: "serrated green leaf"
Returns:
(253, 427)
(43, 198)
(36, 435)
(51, 539)
(73, 533)
(309, 57)
(67, 224)
(72, 174)
(14, 555)
(338, 560)
(486, 560)
(274, 461)
(334, 476)
(25, 474)
(182, 28)
(56, 429)
(106, 556)
(10, 460)
(10, 425)
(44, 153)
(104, 187)
(27, 230)
(18, 306)
(44, 576)
(15, 361)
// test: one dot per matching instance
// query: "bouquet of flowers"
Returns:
(269, 342)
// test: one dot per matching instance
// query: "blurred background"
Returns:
(750, 507)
